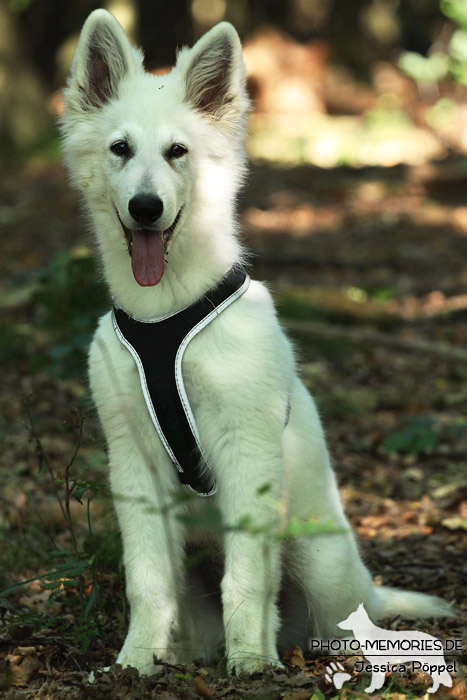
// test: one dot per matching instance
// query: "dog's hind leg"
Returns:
(295, 626)
(326, 567)
(201, 629)
(332, 577)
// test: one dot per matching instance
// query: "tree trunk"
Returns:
(24, 117)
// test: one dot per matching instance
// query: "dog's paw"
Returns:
(336, 674)
(248, 662)
(143, 659)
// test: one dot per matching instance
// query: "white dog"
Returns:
(159, 161)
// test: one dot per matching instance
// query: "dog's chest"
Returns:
(158, 348)
(232, 368)
(203, 369)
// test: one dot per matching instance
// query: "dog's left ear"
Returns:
(214, 75)
(102, 59)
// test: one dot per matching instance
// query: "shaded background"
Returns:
(356, 213)
(308, 52)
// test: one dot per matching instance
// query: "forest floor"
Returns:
(368, 267)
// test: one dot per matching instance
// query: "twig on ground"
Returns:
(362, 336)
(69, 487)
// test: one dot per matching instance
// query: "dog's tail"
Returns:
(409, 604)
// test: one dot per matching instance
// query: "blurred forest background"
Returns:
(356, 212)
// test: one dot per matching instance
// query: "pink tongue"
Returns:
(147, 257)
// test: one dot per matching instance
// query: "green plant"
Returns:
(425, 69)
(419, 435)
(75, 576)
(437, 65)
(70, 298)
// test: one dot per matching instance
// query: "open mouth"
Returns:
(147, 249)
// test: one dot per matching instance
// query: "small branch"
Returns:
(69, 487)
(69, 521)
(363, 336)
(69, 491)
(88, 515)
(42, 456)
(39, 517)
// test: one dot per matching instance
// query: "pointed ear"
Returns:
(214, 75)
(102, 59)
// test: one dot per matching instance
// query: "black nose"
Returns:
(145, 208)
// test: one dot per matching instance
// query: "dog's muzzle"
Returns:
(148, 248)
(167, 234)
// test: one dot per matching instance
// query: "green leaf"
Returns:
(458, 46)
(459, 72)
(86, 632)
(318, 695)
(455, 10)
(195, 558)
(96, 459)
(96, 488)
(91, 600)
(418, 436)
(297, 527)
(245, 524)
(15, 586)
(211, 520)
(424, 69)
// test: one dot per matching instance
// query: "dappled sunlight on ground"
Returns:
(308, 110)
(329, 141)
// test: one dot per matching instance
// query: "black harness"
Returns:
(157, 347)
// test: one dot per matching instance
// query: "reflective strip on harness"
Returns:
(157, 347)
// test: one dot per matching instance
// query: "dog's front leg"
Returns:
(252, 559)
(249, 592)
(153, 555)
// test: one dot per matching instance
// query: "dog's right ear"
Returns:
(102, 59)
(214, 75)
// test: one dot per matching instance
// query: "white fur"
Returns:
(239, 373)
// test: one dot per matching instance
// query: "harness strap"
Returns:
(157, 347)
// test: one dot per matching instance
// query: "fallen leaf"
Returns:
(457, 522)
(298, 695)
(202, 688)
(26, 651)
(39, 603)
(22, 666)
(297, 659)
(459, 688)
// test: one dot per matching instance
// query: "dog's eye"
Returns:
(176, 150)
(120, 148)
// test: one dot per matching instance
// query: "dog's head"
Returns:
(149, 152)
